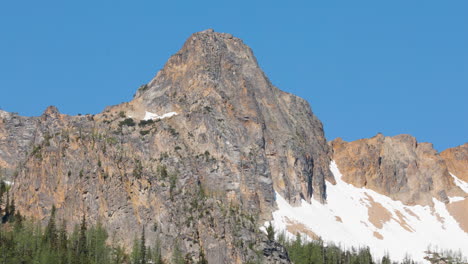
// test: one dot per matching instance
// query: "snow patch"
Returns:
(460, 183)
(456, 199)
(9, 183)
(153, 116)
(345, 220)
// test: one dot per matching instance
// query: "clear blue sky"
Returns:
(365, 66)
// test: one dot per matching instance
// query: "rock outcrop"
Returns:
(398, 167)
(232, 110)
(194, 158)
(457, 161)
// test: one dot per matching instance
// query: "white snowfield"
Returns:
(345, 220)
(153, 116)
(463, 185)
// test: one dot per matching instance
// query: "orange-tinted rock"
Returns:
(235, 139)
(457, 161)
(398, 167)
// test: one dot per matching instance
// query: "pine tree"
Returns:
(2, 191)
(177, 257)
(157, 256)
(270, 232)
(386, 259)
(12, 211)
(63, 242)
(201, 258)
(51, 234)
(149, 254)
(143, 247)
(7, 208)
(82, 249)
(119, 256)
(135, 254)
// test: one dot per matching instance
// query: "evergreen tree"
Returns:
(98, 250)
(149, 254)
(270, 232)
(2, 191)
(7, 208)
(157, 256)
(51, 234)
(82, 249)
(63, 242)
(177, 257)
(135, 254)
(188, 259)
(12, 211)
(201, 258)
(119, 256)
(143, 247)
(386, 259)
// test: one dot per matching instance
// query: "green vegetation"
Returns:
(25, 241)
(144, 123)
(306, 252)
(127, 122)
(177, 257)
(208, 109)
(47, 138)
(143, 88)
(138, 169)
(270, 232)
(111, 141)
(444, 256)
(162, 171)
(302, 252)
(173, 132)
(144, 132)
(37, 151)
(172, 186)
(207, 155)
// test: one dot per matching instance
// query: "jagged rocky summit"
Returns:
(195, 157)
(209, 151)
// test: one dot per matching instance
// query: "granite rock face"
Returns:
(197, 155)
(398, 167)
(232, 109)
(202, 177)
(457, 161)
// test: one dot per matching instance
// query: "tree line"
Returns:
(26, 241)
(303, 251)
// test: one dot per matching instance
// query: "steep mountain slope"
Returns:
(194, 158)
(457, 161)
(398, 167)
(209, 150)
(392, 194)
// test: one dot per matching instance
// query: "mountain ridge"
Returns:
(201, 154)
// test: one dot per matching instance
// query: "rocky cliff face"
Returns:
(233, 111)
(194, 158)
(457, 161)
(399, 167)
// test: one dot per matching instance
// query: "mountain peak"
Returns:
(51, 111)
(214, 82)
(211, 33)
(208, 63)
